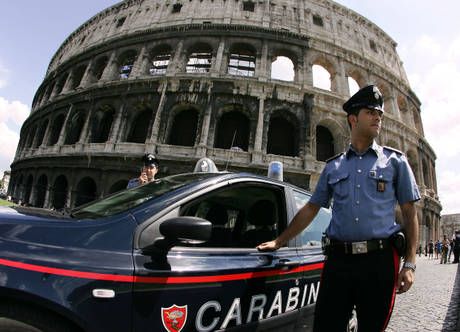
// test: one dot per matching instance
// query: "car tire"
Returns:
(16, 317)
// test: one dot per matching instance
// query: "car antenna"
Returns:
(231, 145)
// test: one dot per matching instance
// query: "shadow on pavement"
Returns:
(452, 319)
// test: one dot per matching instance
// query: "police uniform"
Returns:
(148, 160)
(362, 266)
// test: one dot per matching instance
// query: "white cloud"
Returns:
(434, 74)
(12, 114)
(14, 111)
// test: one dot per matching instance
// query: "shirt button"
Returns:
(356, 219)
(357, 202)
(358, 186)
(359, 171)
(360, 157)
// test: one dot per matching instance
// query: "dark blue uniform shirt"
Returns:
(364, 189)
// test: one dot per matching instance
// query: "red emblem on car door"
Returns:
(174, 318)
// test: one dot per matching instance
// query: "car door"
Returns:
(308, 244)
(223, 283)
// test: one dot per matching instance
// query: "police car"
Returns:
(177, 254)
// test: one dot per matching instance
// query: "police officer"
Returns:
(148, 171)
(365, 182)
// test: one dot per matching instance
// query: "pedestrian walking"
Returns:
(430, 249)
(365, 182)
(444, 249)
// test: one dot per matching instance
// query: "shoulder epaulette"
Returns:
(393, 149)
(334, 157)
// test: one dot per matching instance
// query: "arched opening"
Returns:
(353, 86)
(41, 133)
(126, 62)
(61, 83)
(99, 67)
(75, 127)
(118, 186)
(283, 69)
(140, 127)
(200, 60)
(56, 129)
(426, 174)
(30, 138)
(102, 122)
(28, 189)
(321, 78)
(282, 138)
(242, 60)
(41, 188)
(159, 60)
(412, 159)
(86, 191)
(77, 76)
(233, 131)
(59, 192)
(183, 130)
(324, 144)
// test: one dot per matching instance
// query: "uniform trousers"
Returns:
(366, 282)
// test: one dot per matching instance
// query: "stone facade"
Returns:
(449, 224)
(187, 79)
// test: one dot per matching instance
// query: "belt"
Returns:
(353, 248)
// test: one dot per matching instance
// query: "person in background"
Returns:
(148, 171)
(365, 182)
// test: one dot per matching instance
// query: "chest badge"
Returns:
(380, 186)
(174, 318)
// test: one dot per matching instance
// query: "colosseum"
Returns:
(242, 82)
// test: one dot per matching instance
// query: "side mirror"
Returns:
(176, 230)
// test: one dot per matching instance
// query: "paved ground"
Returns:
(432, 304)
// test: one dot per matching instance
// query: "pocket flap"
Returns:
(337, 177)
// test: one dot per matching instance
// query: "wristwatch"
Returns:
(409, 265)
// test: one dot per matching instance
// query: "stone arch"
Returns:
(184, 126)
(99, 67)
(101, 124)
(28, 189)
(199, 59)
(126, 62)
(232, 129)
(118, 186)
(86, 191)
(40, 189)
(47, 94)
(356, 75)
(30, 137)
(325, 146)
(242, 60)
(283, 134)
(74, 127)
(60, 188)
(77, 76)
(139, 125)
(426, 173)
(412, 158)
(41, 133)
(61, 83)
(159, 59)
(284, 65)
(56, 128)
(327, 142)
(322, 63)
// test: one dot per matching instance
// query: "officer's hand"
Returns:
(143, 179)
(406, 278)
(268, 246)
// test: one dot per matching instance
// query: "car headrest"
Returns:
(262, 213)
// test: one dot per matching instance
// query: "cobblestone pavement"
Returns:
(432, 304)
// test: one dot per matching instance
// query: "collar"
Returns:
(374, 147)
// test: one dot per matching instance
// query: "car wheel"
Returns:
(353, 323)
(16, 317)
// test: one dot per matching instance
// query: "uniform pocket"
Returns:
(338, 182)
(380, 182)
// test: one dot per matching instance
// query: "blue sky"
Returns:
(427, 33)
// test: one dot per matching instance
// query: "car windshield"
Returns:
(133, 197)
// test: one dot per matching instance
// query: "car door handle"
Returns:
(287, 263)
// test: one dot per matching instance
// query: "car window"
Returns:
(242, 216)
(133, 197)
(311, 236)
